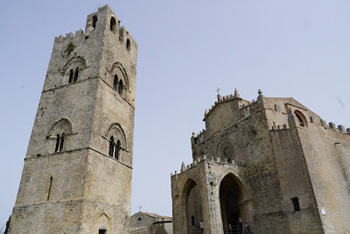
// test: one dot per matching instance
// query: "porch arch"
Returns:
(233, 205)
(193, 207)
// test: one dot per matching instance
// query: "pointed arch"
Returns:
(103, 224)
(191, 197)
(117, 68)
(118, 133)
(233, 205)
(76, 60)
(73, 68)
(301, 118)
(62, 125)
(117, 141)
(59, 132)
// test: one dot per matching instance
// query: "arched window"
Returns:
(111, 146)
(117, 142)
(71, 75)
(112, 24)
(301, 118)
(94, 20)
(120, 87)
(115, 82)
(122, 82)
(59, 133)
(226, 150)
(76, 74)
(128, 44)
(73, 68)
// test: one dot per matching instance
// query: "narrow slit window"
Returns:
(57, 142)
(50, 186)
(296, 204)
(62, 142)
(112, 24)
(115, 82)
(102, 231)
(94, 21)
(116, 150)
(71, 74)
(120, 87)
(192, 220)
(111, 146)
(128, 44)
(76, 74)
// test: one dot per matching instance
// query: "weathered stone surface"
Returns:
(70, 183)
(261, 177)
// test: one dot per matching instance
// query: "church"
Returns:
(266, 166)
(270, 165)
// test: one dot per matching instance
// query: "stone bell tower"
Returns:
(77, 172)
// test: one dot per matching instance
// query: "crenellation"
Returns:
(204, 158)
(332, 125)
(78, 37)
(341, 128)
(79, 33)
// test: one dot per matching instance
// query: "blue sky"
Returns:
(186, 50)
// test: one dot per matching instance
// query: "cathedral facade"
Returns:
(266, 166)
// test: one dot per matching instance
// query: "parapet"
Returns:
(101, 22)
(206, 159)
(333, 126)
(323, 123)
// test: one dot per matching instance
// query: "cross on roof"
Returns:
(218, 90)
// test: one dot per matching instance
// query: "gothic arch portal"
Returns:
(233, 205)
(103, 224)
(193, 206)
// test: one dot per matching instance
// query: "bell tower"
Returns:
(78, 167)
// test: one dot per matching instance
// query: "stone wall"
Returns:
(70, 181)
(280, 162)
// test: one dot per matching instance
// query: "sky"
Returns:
(186, 50)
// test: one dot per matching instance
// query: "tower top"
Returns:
(106, 20)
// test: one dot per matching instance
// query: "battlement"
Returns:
(333, 126)
(69, 36)
(204, 159)
(104, 21)
(329, 126)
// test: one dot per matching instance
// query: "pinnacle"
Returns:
(236, 94)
